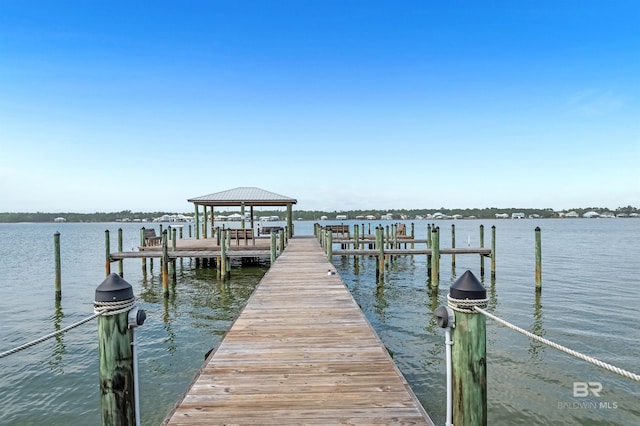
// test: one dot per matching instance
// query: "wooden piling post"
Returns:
(223, 254)
(482, 246)
(330, 245)
(468, 353)
(273, 247)
(435, 257)
(120, 262)
(281, 236)
(413, 235)
(107, 253)
(165, 265)
(196, 225)
(115, 353)
(56, 261)
(453, 245)
(429, 235)
(493, 251)
(538, 259)
(172, 263)
(205, 225)
(144, 259)
(356, 237)
(380, 233)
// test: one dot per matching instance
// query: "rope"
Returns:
(113, 308)
(48, 336)
(466, 305)
(564, 349)
(100, 308)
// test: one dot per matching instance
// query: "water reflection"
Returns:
(59, 349)
(536, 347)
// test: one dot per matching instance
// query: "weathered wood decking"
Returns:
(301, 352)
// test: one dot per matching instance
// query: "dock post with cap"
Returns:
(115, 301)
(468, 351)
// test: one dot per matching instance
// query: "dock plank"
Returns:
(301, 352)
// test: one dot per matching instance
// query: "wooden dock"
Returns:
(301, 352)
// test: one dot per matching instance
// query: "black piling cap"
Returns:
(114, 289)
(467, 287)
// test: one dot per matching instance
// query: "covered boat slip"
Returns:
(301, 352)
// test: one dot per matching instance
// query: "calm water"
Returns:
(589, 303)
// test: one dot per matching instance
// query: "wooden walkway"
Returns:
(301, 352)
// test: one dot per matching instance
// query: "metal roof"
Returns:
(248, 195)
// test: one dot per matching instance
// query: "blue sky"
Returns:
(110, 105)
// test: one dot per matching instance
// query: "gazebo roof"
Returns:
(250, 196)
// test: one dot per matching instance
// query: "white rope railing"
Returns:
(564, 349)
(100, 308)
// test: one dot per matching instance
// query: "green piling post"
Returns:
(453, 245)
(493, 251)
(56, 261)
(107, 253)
(330, 245)
(116, 349)
(120, 265)
(482, 246)
(538, 259)
(197, 223)
(468, 353)
(356, 237)
(429, 235)
(281, 237)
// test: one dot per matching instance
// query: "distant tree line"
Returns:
(484, 213)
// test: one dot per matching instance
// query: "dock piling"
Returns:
(107, 249)
(120, 265)
(493, 251)
(435, 257)
(165, 265)
(538, 245)
(116, 351)
(468, 353)
(482, 246)
(453, 245)
(56, 260)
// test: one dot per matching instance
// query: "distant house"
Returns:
(517, 216)
(323, 218)
(571, 214)
(502, 215)
(341, 217)
(591, 214)
(59, 219)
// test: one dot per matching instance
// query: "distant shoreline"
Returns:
(315, 215)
